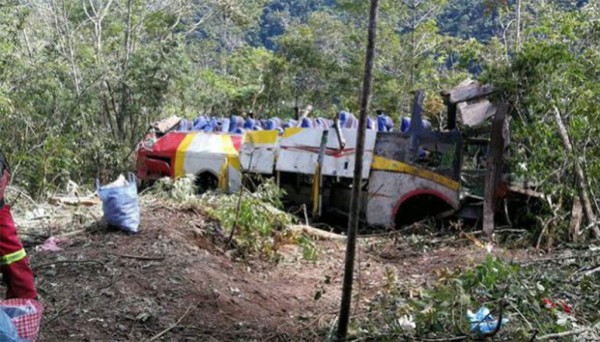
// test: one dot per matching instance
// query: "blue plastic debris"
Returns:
(8, 331)
(483, 322)
(120, 203)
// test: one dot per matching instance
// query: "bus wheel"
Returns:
(206, 181)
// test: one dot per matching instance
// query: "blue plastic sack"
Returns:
(120, 204)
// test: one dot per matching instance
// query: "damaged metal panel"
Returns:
(393, 146)
(258, 151)
(299, 150)
(166, 125)
(340, 162)
(474, 114)
(466, 91)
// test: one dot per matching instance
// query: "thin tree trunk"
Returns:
(518, 40)
(576, 213)
(580, 181)
(125, 98)
(357, 181)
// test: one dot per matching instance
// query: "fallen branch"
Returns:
(558, 258)
(501, 231)
(413, 225)
(187, 312)
(57, 314)
(562, 334)
(457, 338)
(73, 233)
(500, 313)
(592, 271)
(315, 232)
(24, 194)
(74, 201)
(138, 257)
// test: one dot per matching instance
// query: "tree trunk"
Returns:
(357, 181)
(576, 213)
(580, 181)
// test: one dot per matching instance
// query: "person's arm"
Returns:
(14, 263)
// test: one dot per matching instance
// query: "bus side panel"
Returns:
(340, 162)
(299, 150)
(258, 151)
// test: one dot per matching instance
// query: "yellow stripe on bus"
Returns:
(291, 131)
(228, 147)
(261, 137)
(385, 164)
(180, 154)
(234, 162)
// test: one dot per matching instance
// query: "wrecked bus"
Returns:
(409, 174)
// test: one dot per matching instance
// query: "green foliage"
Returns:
(440, 312)
(80, 82)
(256, 218)
(261, 226)
(182, 190)
(555, 70)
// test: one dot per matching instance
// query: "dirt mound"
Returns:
(110, 286)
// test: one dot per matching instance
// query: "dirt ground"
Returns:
(173, 281)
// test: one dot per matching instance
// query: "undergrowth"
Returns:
(259, 224)
(535, 299)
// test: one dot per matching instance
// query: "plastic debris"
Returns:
(483, 322)
(406, 322)
(119, 182)
(50, 245)
(120, 203)
(561, 310)
(8, 331)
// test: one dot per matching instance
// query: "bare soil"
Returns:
(175, 281)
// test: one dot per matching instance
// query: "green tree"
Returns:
(556, 73)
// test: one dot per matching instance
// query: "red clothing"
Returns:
(14, 263)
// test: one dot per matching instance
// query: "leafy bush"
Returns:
(256, 218)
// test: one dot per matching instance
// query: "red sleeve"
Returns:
(14, 263)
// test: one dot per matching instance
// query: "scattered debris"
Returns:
(51, 245)
(483, 322)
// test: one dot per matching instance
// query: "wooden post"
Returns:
(494, 170)
(357, 181)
